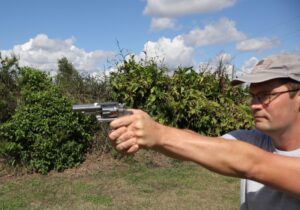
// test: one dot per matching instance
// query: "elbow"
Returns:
(253, 168)
(256, 166)
(253, 172)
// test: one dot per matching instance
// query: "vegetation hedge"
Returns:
(44, 133)
(8, 90)
(202, 101)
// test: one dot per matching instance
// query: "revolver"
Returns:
(105, 112)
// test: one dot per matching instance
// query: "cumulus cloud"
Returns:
(249, 65)
(225, 58)
(43, 52)
(257, 44)
(220, 32)
(172, 8)
(172, 53)
(162, 23)
(221, 60)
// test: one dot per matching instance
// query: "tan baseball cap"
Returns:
(273, 67)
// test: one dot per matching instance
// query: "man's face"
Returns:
(274, 110)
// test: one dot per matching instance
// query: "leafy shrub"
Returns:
(200, 103)
(8, 87)
(203, 102)
(141, 85)
(132, 83)
(44, 133)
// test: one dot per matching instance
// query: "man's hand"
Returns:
(132, 132)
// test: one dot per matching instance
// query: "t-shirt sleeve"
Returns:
(243, 135)
(253, 137)
(228, 136)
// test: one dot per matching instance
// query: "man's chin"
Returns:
(260, 125)
(263, 128)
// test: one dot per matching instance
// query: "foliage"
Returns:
(44, 133)
(68, 79)
(95, 89)
(141, 85)
(8, 89)
(83, 88)
(202, 101)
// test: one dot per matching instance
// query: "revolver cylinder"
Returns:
(105, 112)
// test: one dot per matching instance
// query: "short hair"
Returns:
(291, 85)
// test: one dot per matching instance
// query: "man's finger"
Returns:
(115, 134)
(126, 144)
(125, 137)
(133, 149)
(124, 120)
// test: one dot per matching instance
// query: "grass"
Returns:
(123, 186)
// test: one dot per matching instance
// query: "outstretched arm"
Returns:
(232, 158)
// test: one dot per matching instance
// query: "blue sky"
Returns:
(180, 32)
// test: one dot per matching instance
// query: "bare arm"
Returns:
(232, 158)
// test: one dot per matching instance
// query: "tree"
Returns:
(9, 70)
(68, 79)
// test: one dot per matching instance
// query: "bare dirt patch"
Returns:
(94, 162)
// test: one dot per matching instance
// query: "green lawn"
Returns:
(123, 186)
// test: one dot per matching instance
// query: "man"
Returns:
(267, 158)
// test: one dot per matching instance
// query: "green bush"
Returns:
(204, 102)
(135, 83)
(142, 85)
(44, 133)
(8, 89)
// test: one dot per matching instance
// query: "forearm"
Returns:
(226, 157)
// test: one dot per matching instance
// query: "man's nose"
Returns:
(255, 104)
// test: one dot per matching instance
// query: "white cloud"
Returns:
(172, 53)
(257, 44)
(43, 53)
(223, 59)
(172, 8)
(249, 65)
(162, 23)
(220, 32)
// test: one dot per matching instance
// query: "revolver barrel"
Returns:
(89, 108)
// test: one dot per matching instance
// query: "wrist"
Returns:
(160, 135)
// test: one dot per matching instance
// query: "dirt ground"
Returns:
(94, 162)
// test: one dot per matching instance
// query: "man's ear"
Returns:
(298, 99)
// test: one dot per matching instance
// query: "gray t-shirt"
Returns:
(257, 196)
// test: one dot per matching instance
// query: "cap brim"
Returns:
(255, 78)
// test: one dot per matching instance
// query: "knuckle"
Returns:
(139, 116)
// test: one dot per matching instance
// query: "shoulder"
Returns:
(248, 135)
(254, 137)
